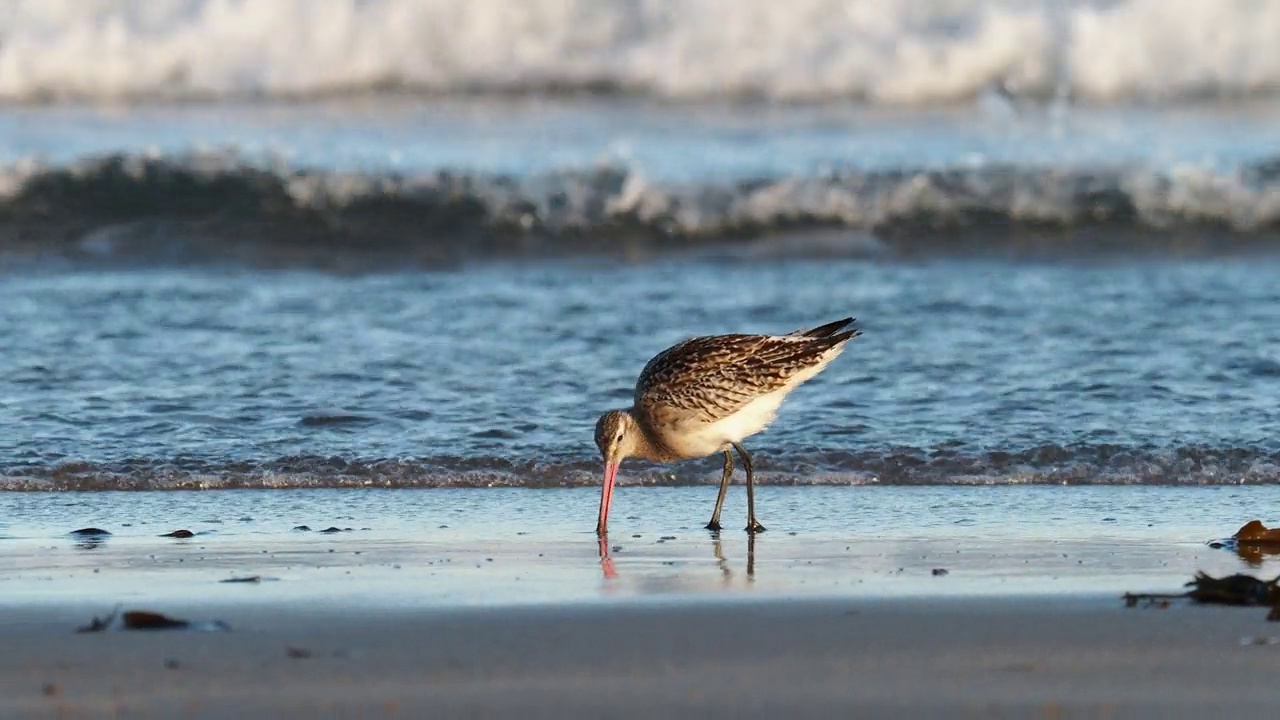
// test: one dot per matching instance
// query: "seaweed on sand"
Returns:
(1238, 589)
(147, 620)
(1252, 542)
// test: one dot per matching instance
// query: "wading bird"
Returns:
(705, 395)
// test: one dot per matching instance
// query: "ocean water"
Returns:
(967, 371)
(317, 244)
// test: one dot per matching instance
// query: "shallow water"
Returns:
(519, 546)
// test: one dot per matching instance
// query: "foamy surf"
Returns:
(882, 51)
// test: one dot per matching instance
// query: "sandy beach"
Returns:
(1014, 614)
(1005, 657)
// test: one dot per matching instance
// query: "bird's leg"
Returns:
(753, 525)
(724, 489)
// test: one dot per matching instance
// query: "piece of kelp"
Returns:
(147, 620)
(1255, 533)
(1239, 589)
(1252, 542)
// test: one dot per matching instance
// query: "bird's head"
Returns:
(616, 436)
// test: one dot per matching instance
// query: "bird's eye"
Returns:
(619, 438)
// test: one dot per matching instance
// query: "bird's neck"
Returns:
(646, 446)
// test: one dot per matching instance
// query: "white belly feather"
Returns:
(750, 419)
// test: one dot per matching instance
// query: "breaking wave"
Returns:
(1078, 464)
(221, 207)
(883, 51)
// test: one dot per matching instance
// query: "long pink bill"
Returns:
(606, 498)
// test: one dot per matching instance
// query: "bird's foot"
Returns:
(714, 526)
(754, 526)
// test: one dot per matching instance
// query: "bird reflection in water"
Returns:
(723, 562)
(610, 571)
(606, 562)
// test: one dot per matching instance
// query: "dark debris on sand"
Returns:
(249, 579)
(1238, 590)
(90, 538)
(148, 620)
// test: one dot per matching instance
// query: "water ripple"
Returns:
(1014, 372)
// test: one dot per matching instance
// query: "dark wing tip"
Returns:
(821, 339)
(831, 329)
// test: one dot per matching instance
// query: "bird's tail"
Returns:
(838, 330)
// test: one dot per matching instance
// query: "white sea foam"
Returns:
(890, 51)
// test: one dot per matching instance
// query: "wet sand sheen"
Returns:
(504, 547)
(372, 572)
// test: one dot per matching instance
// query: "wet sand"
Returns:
(516, 547)
(1075, 657)
(687, 628)
(1016, 612)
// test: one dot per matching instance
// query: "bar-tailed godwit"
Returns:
(705, 395)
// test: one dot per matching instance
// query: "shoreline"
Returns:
(495, 548)
(498, 603)
(377, 572)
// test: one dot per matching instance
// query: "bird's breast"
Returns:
(694, 439)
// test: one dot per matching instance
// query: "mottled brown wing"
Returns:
(705, 379)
